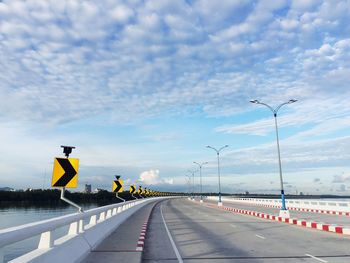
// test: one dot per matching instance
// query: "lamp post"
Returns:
(283, 212)
(189, 185)
(192, 172)
(218, 155)
(200, 177)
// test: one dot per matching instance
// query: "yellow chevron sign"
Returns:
(117, 186)
(132, 189)
(65, 172)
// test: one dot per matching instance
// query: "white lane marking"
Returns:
(260, 237)
(316, 258)
(170, 237)
(232, 225)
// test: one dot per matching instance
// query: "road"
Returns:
(121, 245)
(201, 234)
(309, 216)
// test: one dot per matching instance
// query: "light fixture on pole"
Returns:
(200, 176)
(284, 211)
(218, 155)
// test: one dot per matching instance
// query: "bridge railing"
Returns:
(79, 224)
(318, 204)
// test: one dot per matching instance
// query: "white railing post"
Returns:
(119, 209)
(109, 213)
(93, 220)
(81, 226)
(46, 240)
(102, 216)
(73, 228)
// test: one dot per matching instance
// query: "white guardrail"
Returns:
(337, 206)
(86, 231)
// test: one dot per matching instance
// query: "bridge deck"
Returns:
(121, 245)
(204, 234)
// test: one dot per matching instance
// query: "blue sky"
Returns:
(141, 87)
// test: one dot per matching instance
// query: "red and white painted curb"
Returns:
(320, 211)
(141, 241)
(294, 221)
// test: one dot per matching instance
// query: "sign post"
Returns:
(132, 190)
(117, 187)
(65, 174)
(139, 192)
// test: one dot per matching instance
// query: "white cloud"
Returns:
(122, 13)
(341, 178)
(159, 51)
(152, 177)
(341, 188)
(303, 5)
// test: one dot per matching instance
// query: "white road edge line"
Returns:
(179, 258)
(316, 258)
(260, 237)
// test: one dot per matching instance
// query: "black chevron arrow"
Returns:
(119, 185)
(132, 189)
(69, 172)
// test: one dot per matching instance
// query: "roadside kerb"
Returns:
(141, 242)
(294, 221)
(306, 210)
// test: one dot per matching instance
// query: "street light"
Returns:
(192, 172)
(284, 212)
(189, 185)
(218, 154)
(200, 176)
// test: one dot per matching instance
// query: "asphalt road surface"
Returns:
(185, 231)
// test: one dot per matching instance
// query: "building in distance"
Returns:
(87, 188)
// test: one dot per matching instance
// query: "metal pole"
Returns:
(280, 165)
(218, 154)
(192, 172)
(200, 180)
(284, 211)
(193, 185)
(70, 202)
(116, 195)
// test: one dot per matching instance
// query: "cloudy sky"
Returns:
(141, 87)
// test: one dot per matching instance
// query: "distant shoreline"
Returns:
(51, 197)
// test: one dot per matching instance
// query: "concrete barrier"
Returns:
(308, 205)
(81, 237)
